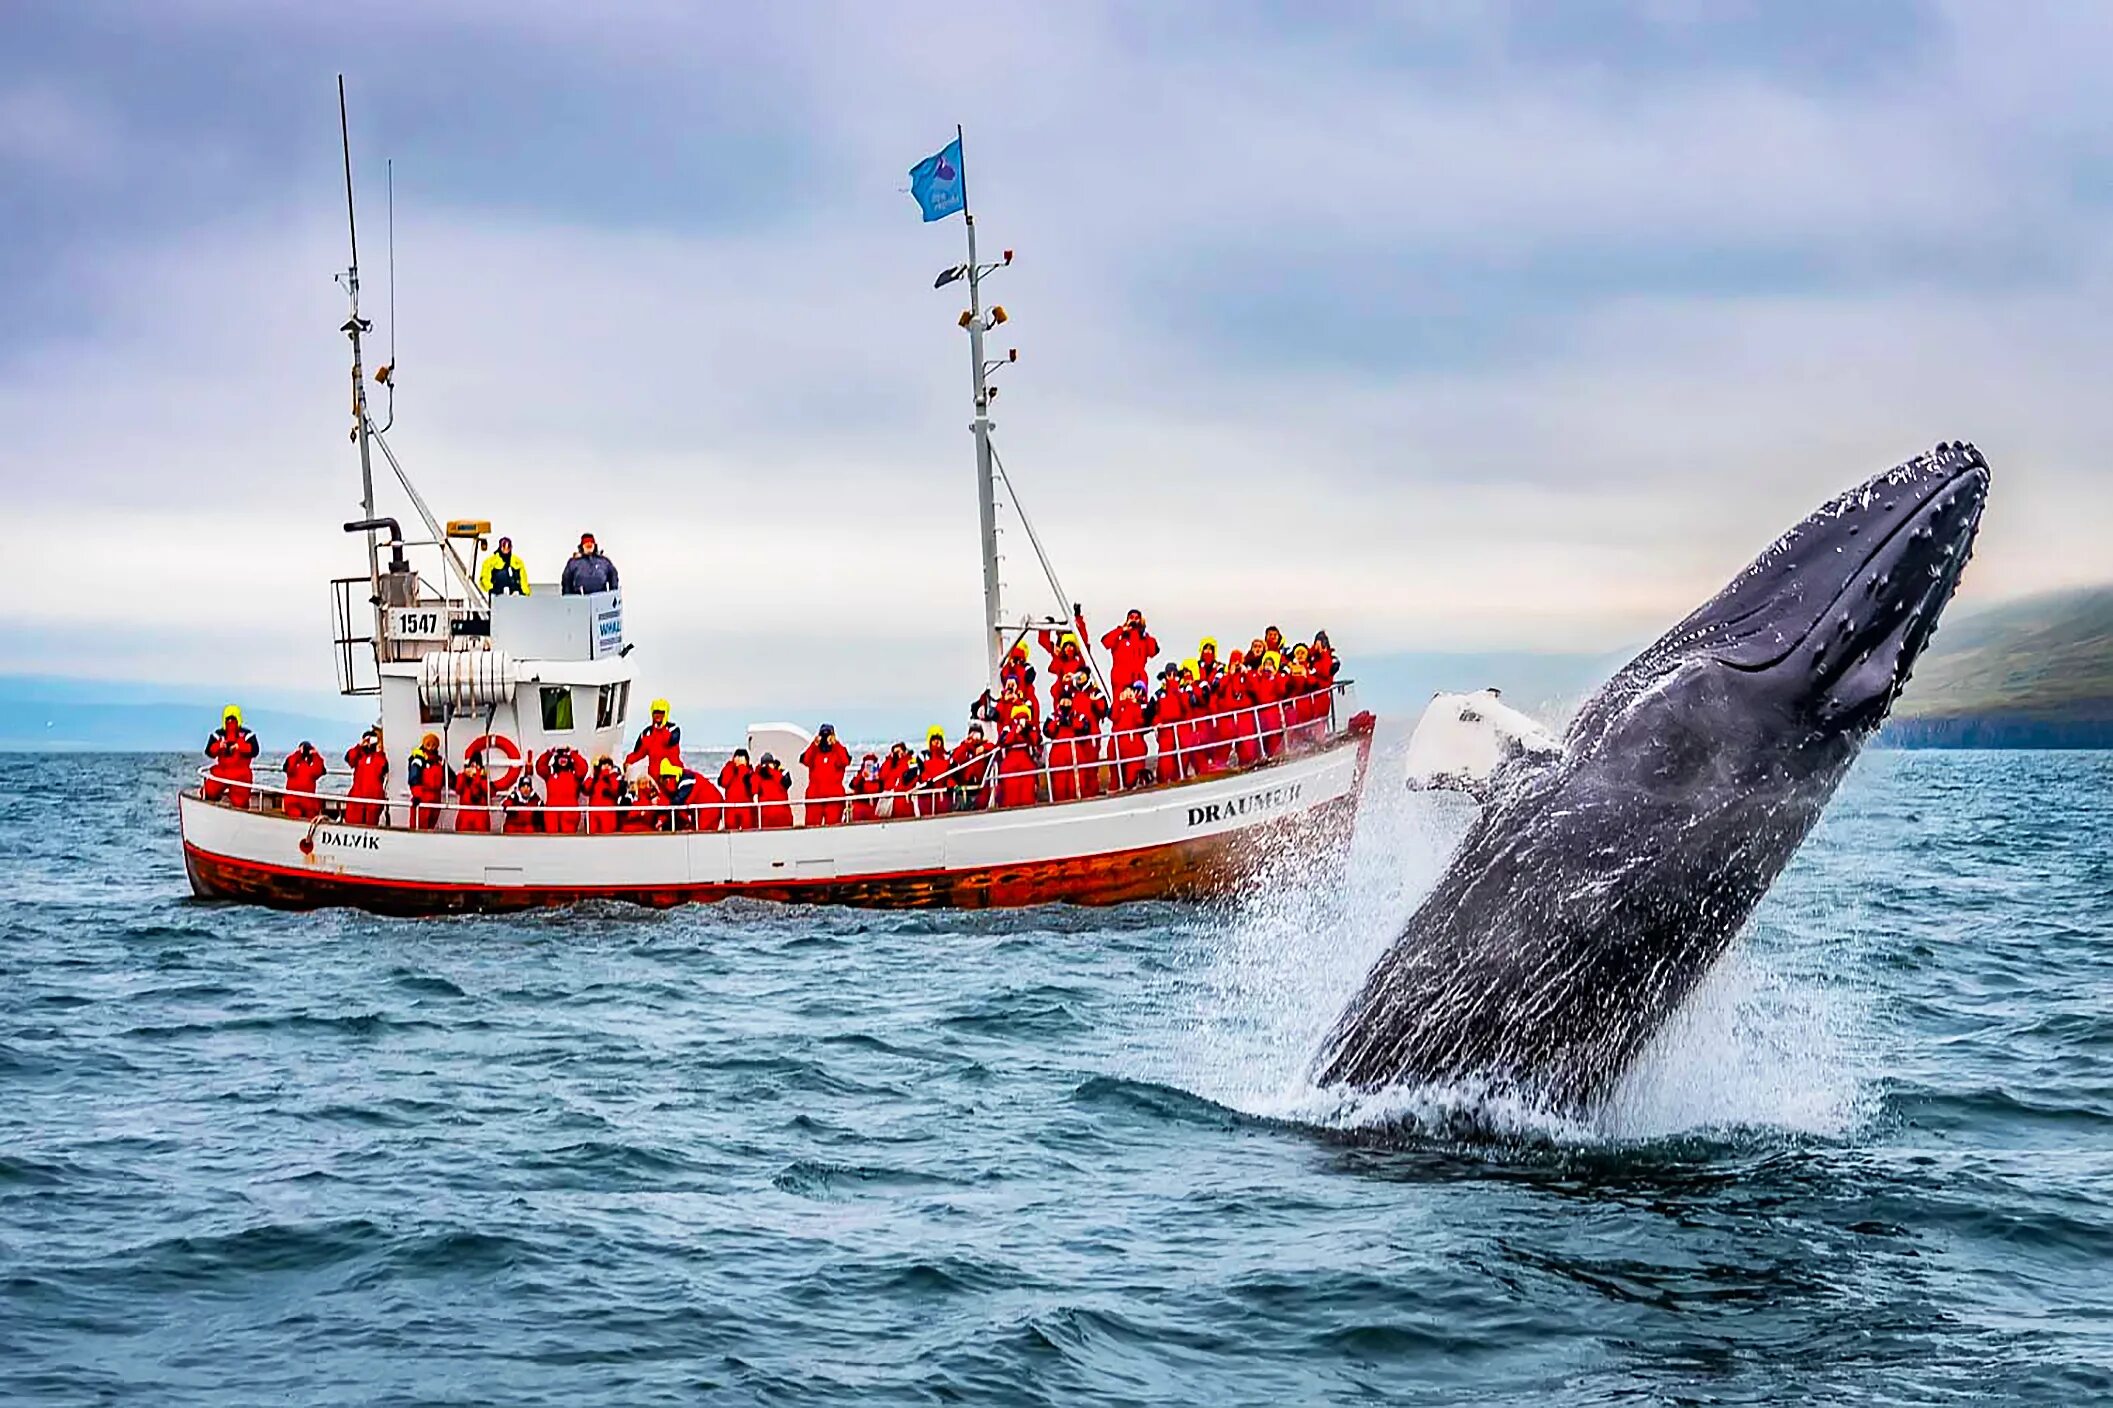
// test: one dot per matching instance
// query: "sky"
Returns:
(1448, 327)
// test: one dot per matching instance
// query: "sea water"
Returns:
(738, 1153)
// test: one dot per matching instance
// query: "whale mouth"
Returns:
(1848, 599)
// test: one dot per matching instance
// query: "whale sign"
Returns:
(609, 626)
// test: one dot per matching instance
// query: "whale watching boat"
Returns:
(502, 678)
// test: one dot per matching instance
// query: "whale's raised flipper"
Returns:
(1463, 741)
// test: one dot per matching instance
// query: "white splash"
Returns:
(1754, 1046)
(1758, 1045)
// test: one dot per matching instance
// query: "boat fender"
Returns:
(474, 753)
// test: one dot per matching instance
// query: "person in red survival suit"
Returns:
(899, 763)
(636, 808)
(1011, 695)
(1195, 732)
(1019, 760)
(1062, 731)
(904, 802)
(657, 742)
(304, 768)
(523, 810)
(894, 768)
(707, 804)
(1128, 745)
(970, 770)
(1321, 662)
(370, 780)
(1267, 687)
(826, 761)
(1133, 647)
(1217, 727)
(1299, 697)
(737, 785)
(696, 802)
(1273, 639)
(865, 786)
(933, 766)
(1066, 657)
(1016, 670)
(231, 747)
(1090, 708)
(1167, 710)
(605, 785)
(427, 774)
(473, 797)
(564, 774)
(1237, 724)
(1206, 658)
(774, 793)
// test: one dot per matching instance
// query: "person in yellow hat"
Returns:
(933, 768)
(231, 747)
(658, 741)
(1066, 657)
(692, 801)
(1269, 688)
(1019, 760)
(1206, 657)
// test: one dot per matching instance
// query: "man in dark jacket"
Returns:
(588, 571)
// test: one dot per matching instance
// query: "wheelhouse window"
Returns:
(605, 713)
(557, 708)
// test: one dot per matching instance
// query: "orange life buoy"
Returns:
(500, 781)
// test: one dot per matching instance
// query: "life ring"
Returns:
(501, 781)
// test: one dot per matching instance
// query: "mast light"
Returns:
(997, 314)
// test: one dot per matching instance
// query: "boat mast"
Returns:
(354, 326)
(980, 427)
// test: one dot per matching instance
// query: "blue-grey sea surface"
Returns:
(745, 1154)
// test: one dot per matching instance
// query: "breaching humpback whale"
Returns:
(1599, 883)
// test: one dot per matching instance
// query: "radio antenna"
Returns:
(386, 374)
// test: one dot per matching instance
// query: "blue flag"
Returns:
(938, 184)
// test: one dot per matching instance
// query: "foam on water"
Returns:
(1766, 1041)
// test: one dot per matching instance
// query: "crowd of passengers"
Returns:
(1207, 714)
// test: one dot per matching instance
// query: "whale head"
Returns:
(1808, 648)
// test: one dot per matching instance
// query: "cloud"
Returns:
(1469, 329)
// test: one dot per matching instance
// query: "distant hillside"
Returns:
(2036, 673)
(44, 712)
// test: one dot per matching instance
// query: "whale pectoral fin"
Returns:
(1463, 741)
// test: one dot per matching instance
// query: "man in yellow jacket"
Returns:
(504, 574)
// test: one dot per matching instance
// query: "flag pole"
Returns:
(980, 427)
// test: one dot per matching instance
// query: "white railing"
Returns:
(971, 785)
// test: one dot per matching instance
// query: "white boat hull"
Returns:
(1189, 840)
